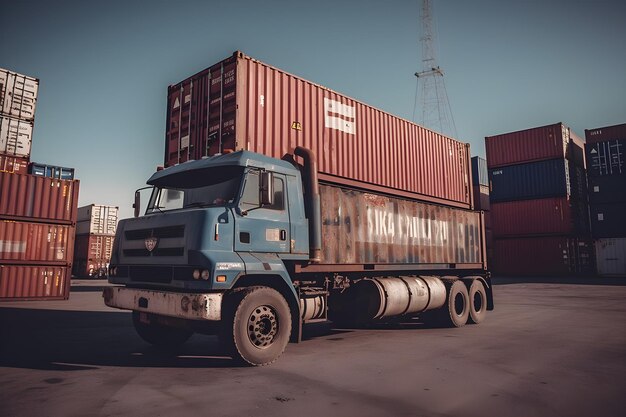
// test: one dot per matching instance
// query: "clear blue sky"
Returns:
(105, 67)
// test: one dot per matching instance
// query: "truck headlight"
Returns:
(205, 274)
(196, 274)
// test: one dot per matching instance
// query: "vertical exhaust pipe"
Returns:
(312, 206)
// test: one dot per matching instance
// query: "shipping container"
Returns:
(552, 255)
(97, 219)
(608, 220)
(555, 141)
(607, 189)
(43, 170)
(36, 243)
(15, 137)
(543, 179)
(603, 134)
(92, 254)
(606, 158)
(29, 282)
(547, 216)
(480, 194)
(28, 196)
(13, 164)
(18, 95)
(480, 175)
(241, 103)
(611, 256)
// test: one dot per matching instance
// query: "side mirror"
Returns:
(266, 188)
(137, 203)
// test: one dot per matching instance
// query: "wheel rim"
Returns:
(459, 304)
(262, 326)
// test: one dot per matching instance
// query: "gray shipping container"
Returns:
(611, 256)
(18, 95)
(15, 137)
(97, 219)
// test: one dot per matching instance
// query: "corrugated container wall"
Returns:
(20, 282)
(92, 254)
(36, 243)
(611, 257)
(97, 219)
(603, 134)
(43, 170)
(28, 196)
(15, 136)
(608, 220)
(555, 141)
(241, 103)
(18, 95)
(480, 174)
(13, 164)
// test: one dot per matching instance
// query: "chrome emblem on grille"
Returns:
(151, 243)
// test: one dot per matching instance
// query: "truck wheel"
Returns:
(457, 303)
(478, 302)
(257, 325)
(166, 337)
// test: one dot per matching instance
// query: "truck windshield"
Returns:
(201, 188)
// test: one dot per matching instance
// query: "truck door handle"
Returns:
(283, 234)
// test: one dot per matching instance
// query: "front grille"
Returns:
(155, 252)
(155, 274)
(160, 232)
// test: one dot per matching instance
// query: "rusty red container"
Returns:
(241, 103)
(13, 164)
(36, 243)
(92, 254)
(555, 141)
(29, 282)
(603, 134)
(24, 197)
(542, 256)
(546, 216)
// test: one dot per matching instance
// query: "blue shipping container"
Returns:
(531, 181)
(607, 189)
(606, 158)
(608, 220)
(480, 175)
(51, 171)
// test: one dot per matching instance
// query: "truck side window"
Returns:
(279, 195)
(250, 197)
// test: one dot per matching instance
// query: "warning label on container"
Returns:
(339, 116)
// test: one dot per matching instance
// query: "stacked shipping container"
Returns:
(95, 232)
(480, 193)
(606, 174)
(37, 214)
(538, 199)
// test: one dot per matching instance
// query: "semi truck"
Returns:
(261, 235)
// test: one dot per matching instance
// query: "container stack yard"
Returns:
(37, 211)
(606, 175)
(95, 233)
(538, 197)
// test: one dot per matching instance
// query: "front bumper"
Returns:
(191, 306)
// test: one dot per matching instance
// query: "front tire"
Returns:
(257, 325)
(161, 336)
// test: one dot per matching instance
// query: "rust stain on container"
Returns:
(19, 282)
(50, 200)
(241, 103)
(26, 243)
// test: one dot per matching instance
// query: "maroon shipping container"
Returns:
(24, 197)
(603, 134)
(241, 103)
(546, 216)
(554, 255)
(13, 164)
(36, 243)
(28, 282)
(92, 254)
(555, 141)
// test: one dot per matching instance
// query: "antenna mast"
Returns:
(430, 91)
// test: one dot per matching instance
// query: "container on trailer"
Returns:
(607, 189)
(481, 198)
(18, 95)
(611, 256)
(52, 171)
(24, 197)
(543, 179)
(608, 220)
(36, 243)
(480, 174)
(556, 141)
(34, 282)
(607, 158)
(546, 255)
(13, 164)
(602, 134)
(546, 216)
(15, 136)
(241, 103)
(92, 254)
(97, 219)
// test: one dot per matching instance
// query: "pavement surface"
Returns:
(550, 348)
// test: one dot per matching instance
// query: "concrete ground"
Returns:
(548, 349)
